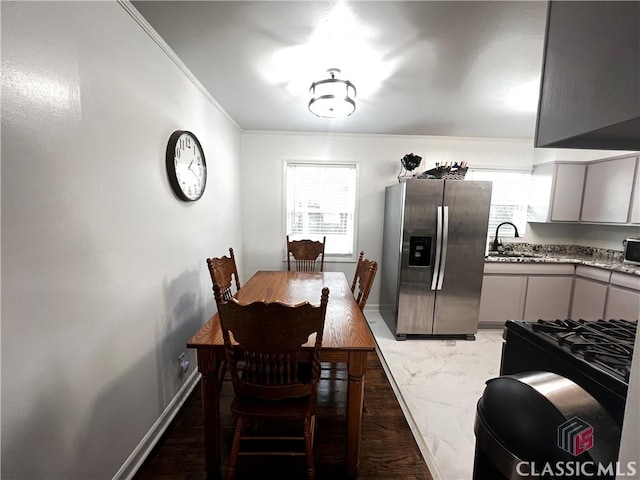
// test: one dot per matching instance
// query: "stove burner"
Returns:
(595, 355)
(607, 344)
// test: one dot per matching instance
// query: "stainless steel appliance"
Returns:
(632, 251)
(434, 241)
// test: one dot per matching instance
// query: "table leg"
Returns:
(355, 395)
(209, 367)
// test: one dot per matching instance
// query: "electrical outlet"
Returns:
(183, 363)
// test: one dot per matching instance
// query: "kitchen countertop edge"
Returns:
(611, 265)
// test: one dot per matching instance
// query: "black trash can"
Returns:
(542, 425)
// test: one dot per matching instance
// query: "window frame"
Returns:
(507, 233)
(329, 258)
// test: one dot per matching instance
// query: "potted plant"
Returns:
(409, 163)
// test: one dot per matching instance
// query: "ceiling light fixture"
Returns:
(332, 97)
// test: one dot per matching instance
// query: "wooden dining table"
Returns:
(346, 339)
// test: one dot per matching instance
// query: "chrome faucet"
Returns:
(496, 243)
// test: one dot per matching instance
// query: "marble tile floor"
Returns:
(438, 383)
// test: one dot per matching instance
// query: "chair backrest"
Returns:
(222, 269)
(307, 254)
(363, 280)
(269, 338)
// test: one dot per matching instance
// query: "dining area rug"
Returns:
(388, 449)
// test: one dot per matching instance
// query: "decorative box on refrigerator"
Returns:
(434, 242)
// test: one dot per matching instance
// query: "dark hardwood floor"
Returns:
(388, 449)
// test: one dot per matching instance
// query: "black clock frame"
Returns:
(171, 166)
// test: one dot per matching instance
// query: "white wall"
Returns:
(103, 271)
(597, 236)
(379, 157)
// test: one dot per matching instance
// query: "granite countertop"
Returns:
(592, 257)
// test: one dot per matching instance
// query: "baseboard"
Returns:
(371, 307)
(140, 453)
(490, 325)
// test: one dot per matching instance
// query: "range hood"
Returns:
(590, 88)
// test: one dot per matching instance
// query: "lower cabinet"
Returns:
(520, 291)
(623, 304)
(532, 291)
(589, 293)
(548, 297)
(623, 301)
(502, 299)
(589, 299)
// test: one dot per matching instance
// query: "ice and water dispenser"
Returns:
(419, 251)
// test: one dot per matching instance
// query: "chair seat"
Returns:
(290, 408)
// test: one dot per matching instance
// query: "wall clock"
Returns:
(186, 165)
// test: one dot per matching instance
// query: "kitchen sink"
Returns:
(515, 254)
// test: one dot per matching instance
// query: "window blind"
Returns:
(321, 201)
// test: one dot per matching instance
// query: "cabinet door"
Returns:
(623, 304)
(502, 298)
(567, 193)
(635, 203)
(588, 300)
(607, 191)
(548, 298)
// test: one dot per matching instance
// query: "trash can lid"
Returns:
(544, 417)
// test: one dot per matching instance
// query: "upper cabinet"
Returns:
(590, 89)
(601, 191)
(607, 191)
(556, 192)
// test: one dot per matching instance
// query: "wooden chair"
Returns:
(307, 254)
(363, 280)
(273, 377)
(223, 270)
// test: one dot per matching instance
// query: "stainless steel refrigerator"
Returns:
(434, 241)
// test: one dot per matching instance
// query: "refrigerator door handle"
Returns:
(445, 240)
(436, 268)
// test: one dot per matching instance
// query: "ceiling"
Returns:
(452, 68)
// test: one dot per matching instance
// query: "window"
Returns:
(509, 195)
(321, 201)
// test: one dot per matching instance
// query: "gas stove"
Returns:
(595, 355)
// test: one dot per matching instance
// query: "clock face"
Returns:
(186, 165)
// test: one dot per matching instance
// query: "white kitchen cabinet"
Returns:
(589, 293)
(556, 192)
(528, 291)
(623, 304)
(548, 297)
(502, 299)
(635, 199)
(623, 301)
(607, 190)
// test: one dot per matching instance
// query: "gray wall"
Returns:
(103, 271)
